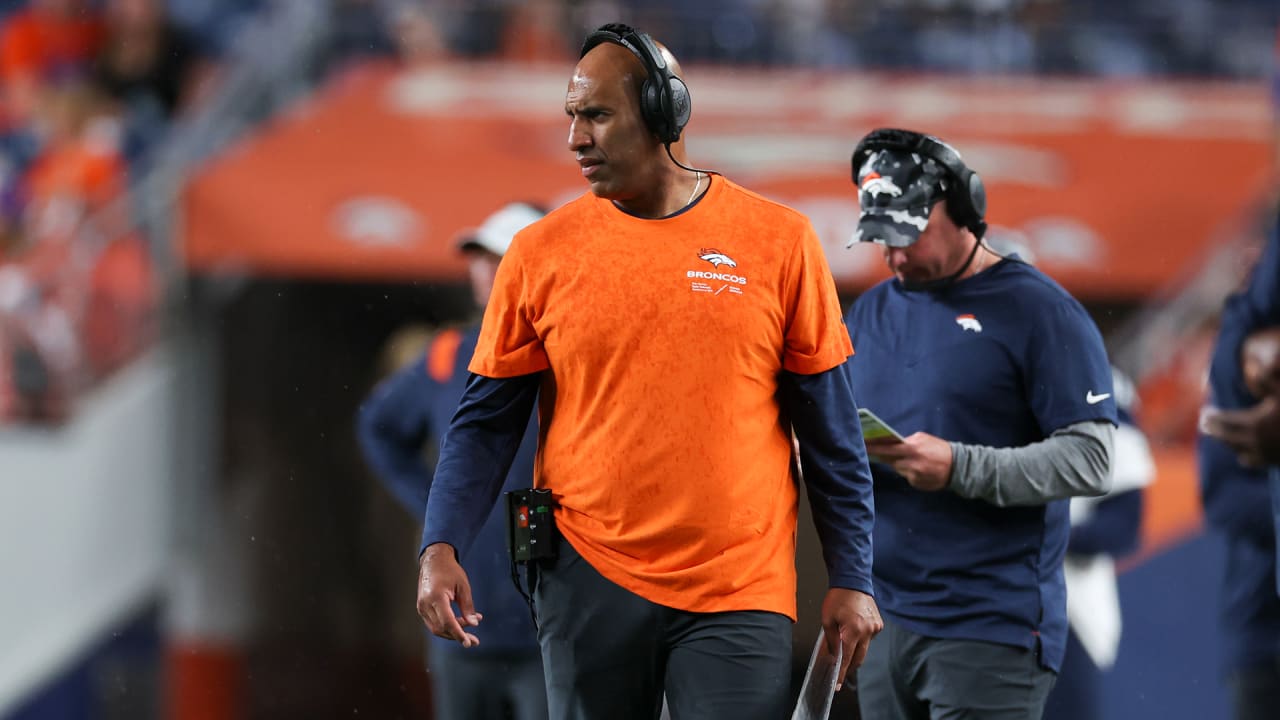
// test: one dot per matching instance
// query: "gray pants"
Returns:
(609, 654)
(470, 686)
(911, 677)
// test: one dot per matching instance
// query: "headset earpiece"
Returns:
(664, 98)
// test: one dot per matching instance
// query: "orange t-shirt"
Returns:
(661, 434)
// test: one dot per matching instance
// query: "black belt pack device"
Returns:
(530, 525)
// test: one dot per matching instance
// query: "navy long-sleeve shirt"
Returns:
(1238, 502)
(396, 423)
(478, 448)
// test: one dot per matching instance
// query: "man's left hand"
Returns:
(849, 618)
(1253, 433)
(923, 459)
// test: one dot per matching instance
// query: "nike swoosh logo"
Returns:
(1095, 399)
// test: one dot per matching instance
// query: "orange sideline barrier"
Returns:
(1116, 186)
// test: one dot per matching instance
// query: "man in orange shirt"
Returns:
(679, 328)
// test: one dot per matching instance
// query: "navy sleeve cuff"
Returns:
(861, 583)
(833, 461)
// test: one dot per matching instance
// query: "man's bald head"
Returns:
(616, 60)
(609, 63)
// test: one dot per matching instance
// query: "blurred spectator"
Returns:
(214, 23)
(1092, 37)
(38, 351)
(817, 33)
(8, 7)
(361, 28)
(53, 273)
(50, 39)
(119, 316)
(404, 29)
(148, 65)
(418, 38)
(535, 32)
(11, 204)
(80, 167)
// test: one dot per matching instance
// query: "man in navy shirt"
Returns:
(1240, 449)
(403, 414)
(998, 381)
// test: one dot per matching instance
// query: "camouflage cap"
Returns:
(896, 190)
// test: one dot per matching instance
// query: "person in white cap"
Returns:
(411, 409)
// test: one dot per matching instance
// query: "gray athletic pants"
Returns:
(911, 677)
(609, 654)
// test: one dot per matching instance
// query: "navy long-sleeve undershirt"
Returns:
(486, 429)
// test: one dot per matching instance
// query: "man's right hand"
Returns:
(849, 618)
(441, 583)
(1260, 362)
(1253, 433)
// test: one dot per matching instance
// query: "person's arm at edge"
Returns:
(391, 427)
(475, 456)
(1072, 461)
(824, 415)
(1256, 307)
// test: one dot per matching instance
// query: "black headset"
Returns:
(664, 98)
(966, 196)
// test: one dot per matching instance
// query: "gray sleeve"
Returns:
(1075, 460)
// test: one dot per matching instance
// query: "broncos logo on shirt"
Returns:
(969, 322)
(715, 257)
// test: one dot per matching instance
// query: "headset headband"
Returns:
(664, 98)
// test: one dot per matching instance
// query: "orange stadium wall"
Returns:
(1117, 186)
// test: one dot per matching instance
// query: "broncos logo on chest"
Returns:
(969, 322)
(716, 258)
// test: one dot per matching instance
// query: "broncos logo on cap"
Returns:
(715, 257)
(875, 184)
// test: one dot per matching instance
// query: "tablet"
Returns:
(873, 428)
(819, 688)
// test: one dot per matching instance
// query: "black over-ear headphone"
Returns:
(966, 196)
(664, 98)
